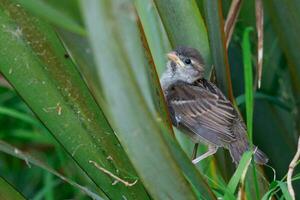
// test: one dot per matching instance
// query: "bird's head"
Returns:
(184, 64)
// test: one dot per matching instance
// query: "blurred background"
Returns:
(78, 78)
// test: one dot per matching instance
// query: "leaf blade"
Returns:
(8, 192)
(34, 64)
(238, 174)
(215, 27)
(46, 11)
(185, 15)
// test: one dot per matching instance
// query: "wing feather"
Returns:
(203, 112)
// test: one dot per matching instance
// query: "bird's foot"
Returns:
(211, 150)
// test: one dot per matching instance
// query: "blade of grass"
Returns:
(215, 27)
(296, 177)
(248, 76)
(272, 189)
(40, 194)
(184, 26)
(29, 136)
(8, 192)
(285, 191)
(19, 115)
(32, 59)
(48, 182)
(238, 175)
(275, 187)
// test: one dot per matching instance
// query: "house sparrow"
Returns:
(199, 108)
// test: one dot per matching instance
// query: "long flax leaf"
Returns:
(32, 59)
(46, 11)
(8, 192)
(238, 175)
(248, 75)
(19, 115)
(215, 27)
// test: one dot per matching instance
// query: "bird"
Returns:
(199, 109)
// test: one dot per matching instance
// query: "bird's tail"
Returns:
(260, 157)
(236, 151)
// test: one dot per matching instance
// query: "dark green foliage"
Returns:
(83, 86)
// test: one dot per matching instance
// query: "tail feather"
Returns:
(260, 157)
(236, 152)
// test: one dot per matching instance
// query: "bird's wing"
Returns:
(203, 112)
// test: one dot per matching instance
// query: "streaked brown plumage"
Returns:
(200, 109)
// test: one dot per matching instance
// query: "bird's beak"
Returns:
(173, 57)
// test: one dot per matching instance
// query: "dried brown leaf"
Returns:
(259, 12)
(232, 16)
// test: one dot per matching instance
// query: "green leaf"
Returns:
(284, 189)
(238, 174)
(7, 192)
(155, 33)
(215, 26)
(79, 49)
(40, 194)
(48, 182)
(49, 13)
(273, 187)
(248, 75)
(18, 115)
(33, 60)
(185, 26)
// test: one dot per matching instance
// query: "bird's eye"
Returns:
(187, 61)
